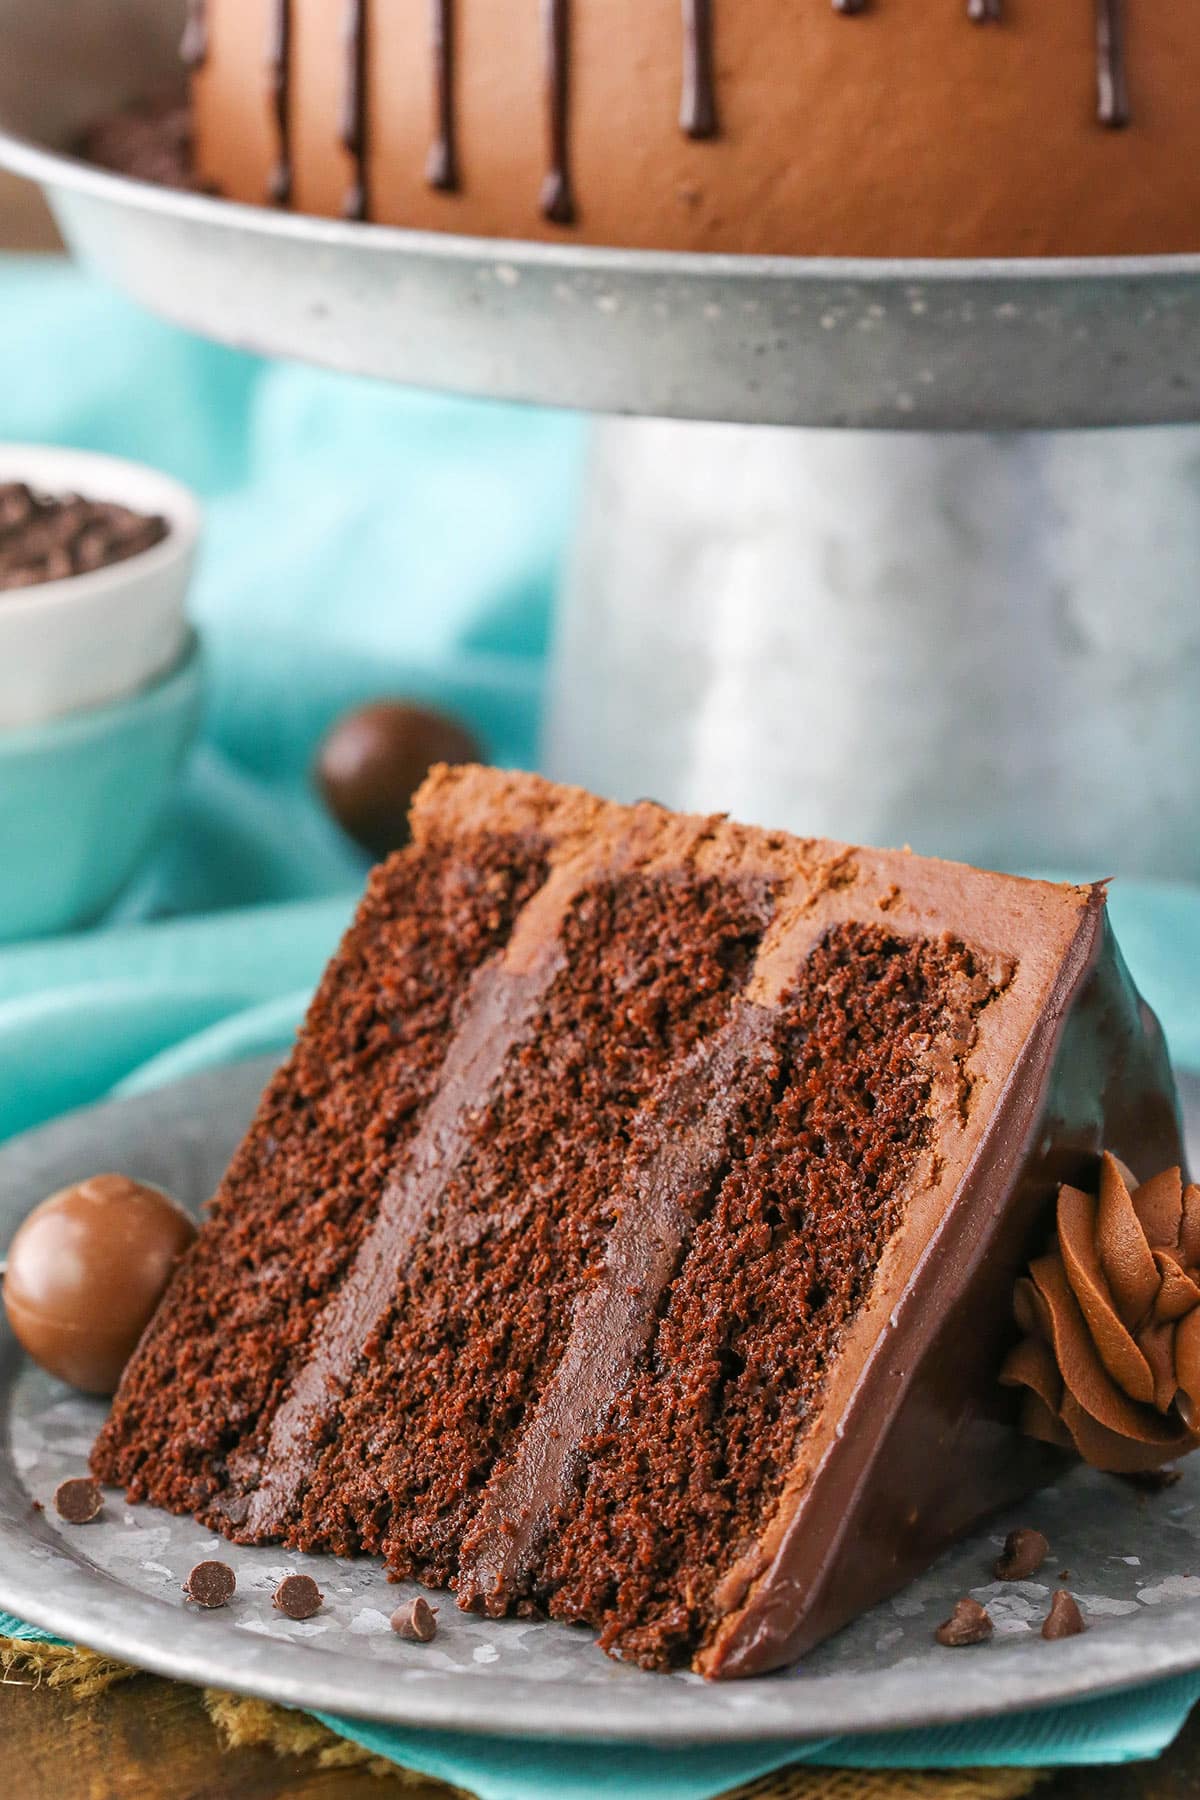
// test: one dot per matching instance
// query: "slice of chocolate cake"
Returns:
(631, 1236)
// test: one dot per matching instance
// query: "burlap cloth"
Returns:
(240, 1721)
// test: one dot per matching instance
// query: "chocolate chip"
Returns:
(298, 1596)
(967, 1624)
(415, 1621)
(79, 1500)
(1064, 1618)
(210, 1584)
(1025, 1551)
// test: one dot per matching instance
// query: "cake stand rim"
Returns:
(24, 156)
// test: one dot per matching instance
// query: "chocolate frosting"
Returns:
(699, 112)
(872, 1505)
(1110, 1359)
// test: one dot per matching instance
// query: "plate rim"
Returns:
(213, 1651)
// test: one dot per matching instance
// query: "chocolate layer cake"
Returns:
(631, 1236)
(803, 127)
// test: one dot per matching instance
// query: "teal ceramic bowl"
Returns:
(81, 798)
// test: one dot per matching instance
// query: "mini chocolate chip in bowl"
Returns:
(48, 537)
(1025, 1550)
(415, 1621)
(298, 1597)
(1064, 1618)
(79, 1500)
(969, 1623)
(210, 1584)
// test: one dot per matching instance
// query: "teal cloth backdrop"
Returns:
(362, 541)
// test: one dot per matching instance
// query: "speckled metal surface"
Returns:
(774, 340)
(1133, 1560)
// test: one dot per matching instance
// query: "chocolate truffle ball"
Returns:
(85, 1272)
(373, 760)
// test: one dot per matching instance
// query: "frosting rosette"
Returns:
(1110, 1356)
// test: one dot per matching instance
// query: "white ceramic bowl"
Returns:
(94, 639)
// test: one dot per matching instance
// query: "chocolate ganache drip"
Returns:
(441, 165)
(194, 45)
(1110, 1359)
(356, 205)
(1112, 89)
(698, 108)
(279, 70)
(558, 204)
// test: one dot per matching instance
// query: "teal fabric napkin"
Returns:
(1127, 1727)
(362, 541)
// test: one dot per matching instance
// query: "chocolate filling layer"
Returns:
(678, 1470)
(190, 1418)
(645, 967)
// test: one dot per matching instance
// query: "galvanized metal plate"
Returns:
(116, 1584)
(761, 340)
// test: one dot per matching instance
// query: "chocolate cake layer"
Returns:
(632, 1234)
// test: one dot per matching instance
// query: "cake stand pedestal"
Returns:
(987, 646)
(947, 605)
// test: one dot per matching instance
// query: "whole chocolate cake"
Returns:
(633, 1233)
(804, 127)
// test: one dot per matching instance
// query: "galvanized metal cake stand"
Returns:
(947, 604)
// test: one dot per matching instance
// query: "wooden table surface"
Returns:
(148, 1739)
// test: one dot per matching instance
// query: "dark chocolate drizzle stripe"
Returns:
(441, 165)
(558, 203)
(1112, 88)
(356, 204)
(279, 72)
(613, 1324)
(850, 7)
(698, 106)
(194, 45)
(983, 12)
